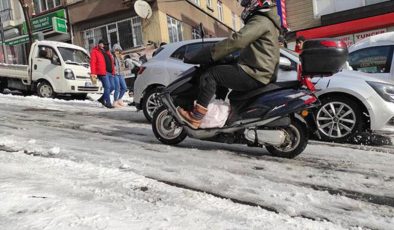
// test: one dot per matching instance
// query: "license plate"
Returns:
(88, 83)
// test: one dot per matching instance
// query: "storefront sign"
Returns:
(362, 35)
(59, 25)
(19, 40)
(348, 39)
(44, 22)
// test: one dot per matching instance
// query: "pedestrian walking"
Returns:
(120, 86)
(102, 67)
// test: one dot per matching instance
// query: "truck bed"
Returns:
(14, 71)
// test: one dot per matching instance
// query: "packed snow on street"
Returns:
(77, 165)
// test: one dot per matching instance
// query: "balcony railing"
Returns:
(6, 15)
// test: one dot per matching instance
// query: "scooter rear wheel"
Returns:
(296, 141)
(165, 127)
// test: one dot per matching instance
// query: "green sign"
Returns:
(18, 40)
(44, 22)
(59, 25)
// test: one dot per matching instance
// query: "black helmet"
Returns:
(251, 6)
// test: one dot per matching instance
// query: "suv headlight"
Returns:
(386, 91)
(69, 74)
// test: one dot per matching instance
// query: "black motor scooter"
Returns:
(272, 116)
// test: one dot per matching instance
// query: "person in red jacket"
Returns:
(102, 67)
(299, 44)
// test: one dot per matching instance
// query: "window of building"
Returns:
(209, 3)
(234, 18)
(4, 5)
(197, 2)
(45, 5)
(372, 60)
(174, 29)
(323, 7)
(127, 33)
(5, 10)
(220, 10)
(196, 33)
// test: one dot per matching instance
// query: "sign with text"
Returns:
(362, 35)
(348, 39)
(44, 22)
(59, 25)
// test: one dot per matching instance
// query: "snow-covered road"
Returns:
(76, 165)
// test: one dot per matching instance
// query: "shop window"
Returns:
(174, 29)
(372, 60)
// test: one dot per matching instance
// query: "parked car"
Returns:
(374, 55)
(351, 101)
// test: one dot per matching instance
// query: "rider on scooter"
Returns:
(258, 60)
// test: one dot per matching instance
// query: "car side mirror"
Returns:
(284, 64)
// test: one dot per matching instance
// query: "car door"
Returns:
(175, 65)
(374, 60)
(48, 67)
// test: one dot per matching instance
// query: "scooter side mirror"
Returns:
(284, 63)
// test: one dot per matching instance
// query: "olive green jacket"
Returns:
(258, 42)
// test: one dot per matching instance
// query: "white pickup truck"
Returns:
(54, 68)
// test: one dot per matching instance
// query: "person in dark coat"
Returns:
(258, 60)
(102, 67)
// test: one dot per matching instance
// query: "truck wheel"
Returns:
(44, 89)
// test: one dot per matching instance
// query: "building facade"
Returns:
(117, 22)
(48, 18)
(350, 20)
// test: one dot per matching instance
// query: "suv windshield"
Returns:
(74, 56)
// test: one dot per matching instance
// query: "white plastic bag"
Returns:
(216, 117)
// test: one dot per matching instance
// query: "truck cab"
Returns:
(54, 68)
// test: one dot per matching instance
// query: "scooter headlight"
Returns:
(69, 74)
(386, 91)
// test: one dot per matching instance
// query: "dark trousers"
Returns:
(229, 76)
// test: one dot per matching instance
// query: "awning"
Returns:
(349, 27)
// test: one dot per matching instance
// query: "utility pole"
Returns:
(25, 8)
(4, 48)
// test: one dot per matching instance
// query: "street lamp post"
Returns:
(3, 41)
(25, 8)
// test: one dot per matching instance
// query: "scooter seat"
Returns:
(244, 95)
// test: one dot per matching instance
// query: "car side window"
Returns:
(190, 48)
(372, 60)
(49, 53)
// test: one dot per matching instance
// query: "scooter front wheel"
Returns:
(166, 128)
(296, 140)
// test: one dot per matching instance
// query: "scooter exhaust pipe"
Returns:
(263, 137)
